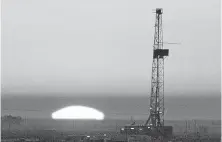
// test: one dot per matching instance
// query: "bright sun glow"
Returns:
(78, 112)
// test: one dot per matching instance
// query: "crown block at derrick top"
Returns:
(159, 11)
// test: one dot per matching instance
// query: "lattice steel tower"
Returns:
(156, 117)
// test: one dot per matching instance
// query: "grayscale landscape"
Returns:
(110, 71)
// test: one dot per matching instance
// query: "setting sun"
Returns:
(78, 112)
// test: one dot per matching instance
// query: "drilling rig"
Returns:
(156, 117)
(154, 126)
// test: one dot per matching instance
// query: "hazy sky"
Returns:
(105, 47)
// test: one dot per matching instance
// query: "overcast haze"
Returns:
(105, 47)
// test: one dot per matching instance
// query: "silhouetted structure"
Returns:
(154, 126)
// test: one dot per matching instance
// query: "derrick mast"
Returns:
(156, 118)
(154, 126)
